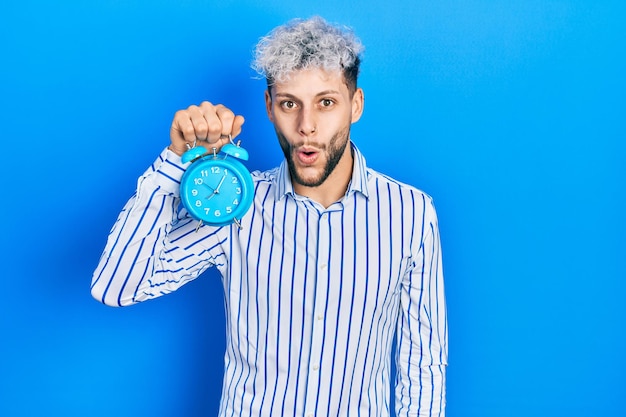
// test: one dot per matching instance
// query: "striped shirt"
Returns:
(315, 297)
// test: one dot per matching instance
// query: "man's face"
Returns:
(312, 113)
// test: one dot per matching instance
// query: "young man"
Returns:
(332, 262)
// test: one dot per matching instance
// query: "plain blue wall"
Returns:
(512, 115)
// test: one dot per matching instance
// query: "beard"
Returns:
(333, 152)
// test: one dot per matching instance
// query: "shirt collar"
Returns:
(358, 183)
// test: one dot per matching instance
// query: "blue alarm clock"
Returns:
(217, 189)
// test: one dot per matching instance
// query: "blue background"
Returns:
(512, 115)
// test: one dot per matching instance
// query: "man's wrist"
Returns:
(176, 150)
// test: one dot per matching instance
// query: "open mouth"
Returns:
(307, 156)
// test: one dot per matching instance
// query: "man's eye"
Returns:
(327, 102)
(288, 104)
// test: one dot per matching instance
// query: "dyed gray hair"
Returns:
(305, 44)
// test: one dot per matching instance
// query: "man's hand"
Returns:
(205, 125)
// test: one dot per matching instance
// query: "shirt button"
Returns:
(309, 415)
(316, 367)
(320, 317)
(323, 266)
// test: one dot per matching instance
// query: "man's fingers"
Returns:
(182, 130)
(237, 123)
(226, 119)
(214, 124)
(207, 122)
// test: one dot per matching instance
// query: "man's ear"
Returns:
(358, 99)
(268, 104)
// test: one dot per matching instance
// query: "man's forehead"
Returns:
(311, 79)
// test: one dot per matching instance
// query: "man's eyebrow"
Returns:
(286, 95)
(321, 93)
(327, 93)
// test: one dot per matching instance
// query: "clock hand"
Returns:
(212, 194)
(217, 189)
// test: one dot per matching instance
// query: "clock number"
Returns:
(215, 170)
(207, 210)
(238, 190)
(217, 213)
(235, 181)
(236, 202)
(198, 203)
(198, 181)
(204, 173)
(194, 192)
(229, 210)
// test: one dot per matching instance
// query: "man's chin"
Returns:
(307, 177)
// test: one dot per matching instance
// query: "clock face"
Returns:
(216, 190)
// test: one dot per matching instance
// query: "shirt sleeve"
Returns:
(154, 247)
(422, 353)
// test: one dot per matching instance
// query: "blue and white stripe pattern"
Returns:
(314, 296)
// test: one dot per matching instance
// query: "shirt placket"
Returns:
(318, 319)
